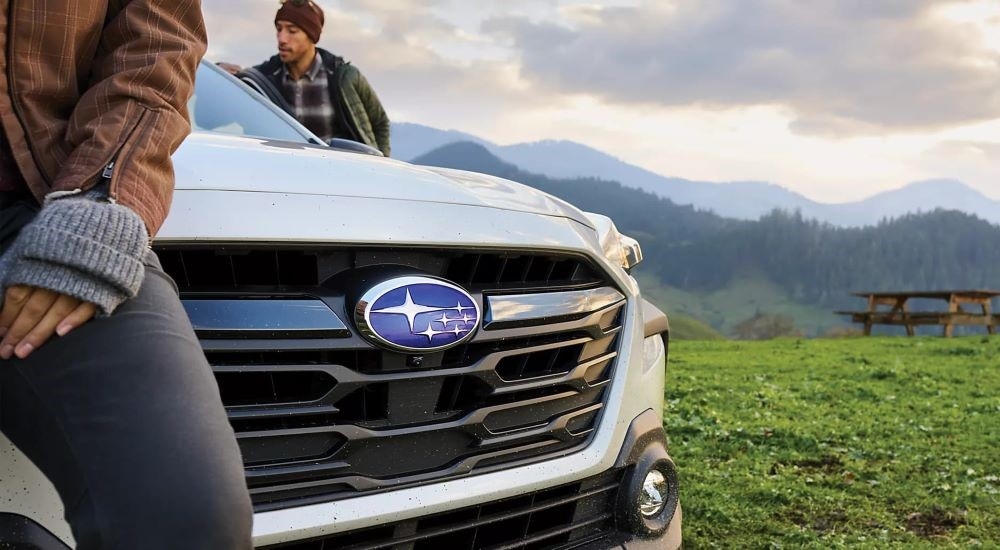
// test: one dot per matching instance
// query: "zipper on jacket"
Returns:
(109, 171)
(348, 116)
(123, 150)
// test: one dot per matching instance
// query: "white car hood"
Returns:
(227, 163)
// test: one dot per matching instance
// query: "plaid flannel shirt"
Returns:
(309, 97)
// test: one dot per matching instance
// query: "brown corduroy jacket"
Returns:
(88, 83)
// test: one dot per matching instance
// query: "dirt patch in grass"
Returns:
(829, 521)
(828, 463)
(934, 523)
(821, 522)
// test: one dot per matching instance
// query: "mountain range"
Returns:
(745, 200)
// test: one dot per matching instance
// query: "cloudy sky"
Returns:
(835, 99)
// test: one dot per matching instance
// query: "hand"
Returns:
(229, 67)
(30, 316)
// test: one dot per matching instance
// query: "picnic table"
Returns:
(892, 308)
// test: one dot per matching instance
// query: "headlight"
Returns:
(619, 249)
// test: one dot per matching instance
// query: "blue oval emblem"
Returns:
(417, 314)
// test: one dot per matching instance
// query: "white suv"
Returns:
(411, 357)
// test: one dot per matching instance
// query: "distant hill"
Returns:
(467, 155)
(409, 141)
(566, 159)
(722, 270)
(683, 327)
(747, 200)
(922, 196)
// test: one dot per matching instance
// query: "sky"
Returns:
(834, 99)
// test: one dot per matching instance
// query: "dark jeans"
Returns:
(123, 416)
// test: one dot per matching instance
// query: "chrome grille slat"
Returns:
(553, 427)
(349, 418)
(348, 380)
(574, 377)
(544, 308)
(274, 412)
(471, 423)
(275, 473)
(363, 483)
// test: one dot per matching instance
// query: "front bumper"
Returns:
(596, 513)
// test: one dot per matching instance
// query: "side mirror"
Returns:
(354, 147)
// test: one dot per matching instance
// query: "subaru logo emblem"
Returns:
(417, 314)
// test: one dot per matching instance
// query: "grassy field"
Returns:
(861, 442)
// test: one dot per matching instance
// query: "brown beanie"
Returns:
(304, 14)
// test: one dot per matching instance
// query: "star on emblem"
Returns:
(444, 320)
(410, 310)
(431, 333)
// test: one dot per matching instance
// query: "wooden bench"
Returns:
(899, 313)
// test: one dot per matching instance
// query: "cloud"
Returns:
(967, 151)
(240, 31)
(974, 161)
(840, 67)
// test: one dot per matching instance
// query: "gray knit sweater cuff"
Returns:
(87, 249)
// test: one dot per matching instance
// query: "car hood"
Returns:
(227, 163)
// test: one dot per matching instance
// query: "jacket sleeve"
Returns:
(141, 80)
(376, 114)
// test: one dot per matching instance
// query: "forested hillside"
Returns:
(814, 264)
(821, 264)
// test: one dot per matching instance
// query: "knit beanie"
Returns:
(304, 14)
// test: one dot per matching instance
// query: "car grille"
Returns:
(322, 414)
(562, 517)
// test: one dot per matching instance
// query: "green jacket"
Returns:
(359, 112)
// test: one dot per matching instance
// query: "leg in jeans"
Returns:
(124, 416)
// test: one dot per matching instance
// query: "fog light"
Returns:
(654, 494)
(648, 498)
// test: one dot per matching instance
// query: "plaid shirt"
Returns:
(309, 97)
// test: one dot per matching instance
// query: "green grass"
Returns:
(724, 308)
(861, 442)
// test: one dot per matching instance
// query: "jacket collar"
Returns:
(311, 74)
(331, 62)
(275, 67)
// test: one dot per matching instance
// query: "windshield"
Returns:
(223, 105)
